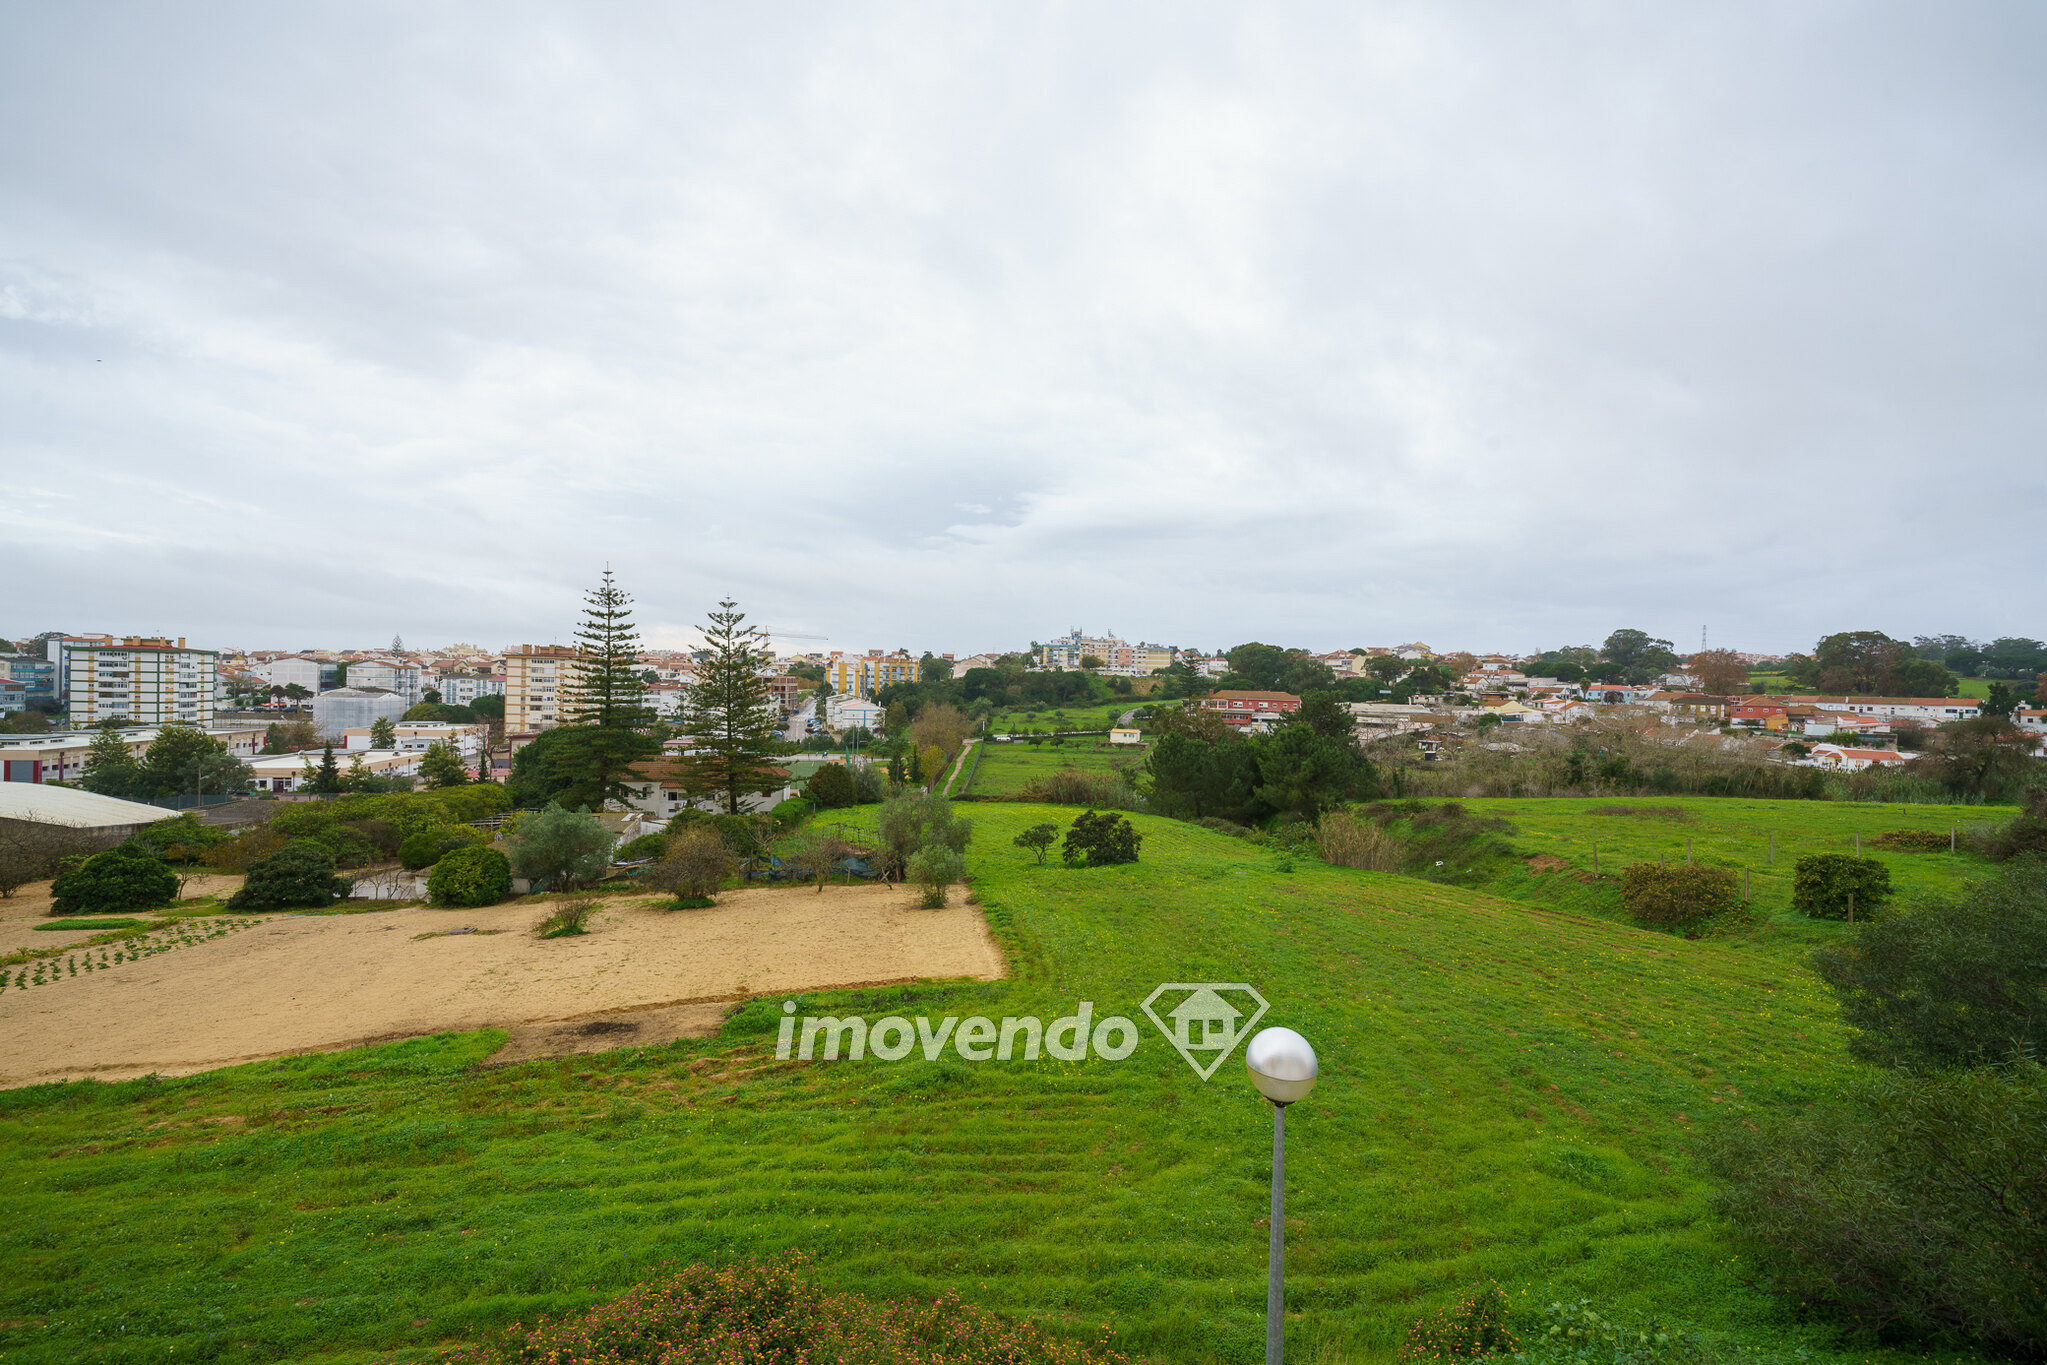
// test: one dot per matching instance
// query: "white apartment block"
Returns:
(143, 680)
(460, 690)
(311, 674)
(539, 681)
(388, 675)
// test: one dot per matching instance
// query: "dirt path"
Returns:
(315, 983)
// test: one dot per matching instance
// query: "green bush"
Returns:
(1038, 838)
(1471, 1329)
(1823, 883)
(183, 840)
(1912, 1206)
(772, 1312)
(428, 846)
(556, 845)
(1912, 840)
(470, 876)
(299, 875)
(568, 918)
(2025, 833)
(1951, 982)
(124, 878)
(1100, 839)
(1681, 897)
(831, 786)
(1574, 1334)
(644, 847)
(935, 868)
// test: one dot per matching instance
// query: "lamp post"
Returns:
(1283, 1067)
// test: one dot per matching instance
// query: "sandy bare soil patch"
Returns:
(30, 906)
(315, 983)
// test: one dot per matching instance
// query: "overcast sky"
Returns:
(956, 326)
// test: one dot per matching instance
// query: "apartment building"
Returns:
(539, 680)
(389, 675)
(144, 680)
(459, 689)
(314, 675)
(862, 675)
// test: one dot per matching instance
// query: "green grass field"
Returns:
(1726, 832)
(1978, 688)
(1508, 1093)
(1006, 769)
(1091, 716)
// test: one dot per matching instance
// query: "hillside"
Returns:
(1507, 1093)
(1558, 842)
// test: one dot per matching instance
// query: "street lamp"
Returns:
(1282, 1066)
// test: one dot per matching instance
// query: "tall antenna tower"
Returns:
(1702, 639)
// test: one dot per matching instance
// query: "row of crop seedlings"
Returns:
(106, 956)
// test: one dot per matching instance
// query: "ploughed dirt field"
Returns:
(21, 912)
(316, 983)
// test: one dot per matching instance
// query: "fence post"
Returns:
(1951, 837)
(1659, 862)
(1851, 907)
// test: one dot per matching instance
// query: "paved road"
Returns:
(799, 720)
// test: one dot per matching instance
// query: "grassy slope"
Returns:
(1725, 831)
(1507, 1093)
(1978, 688)
(1009, 768)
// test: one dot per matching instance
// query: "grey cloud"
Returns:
(1493, 326)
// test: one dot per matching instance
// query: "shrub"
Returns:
(696, 865)
(1345, 839)
(1823, 883)
(1071, 787)
(2024, 833)
(1573, 1334)
(935, 868)
(237, 854)
(555, 845)
(831, 786)
(772, 1311)
(1038, 838)
(1910, 1206)
(420, 850)
(568, 919)
(1222, 826)
(1681, 897)
(640, 849)
(1100, 839)
(1912, 840)
(299, 875)
(1952, 982)
(1470, 1329)
(912, 821)
(470, 876)
(742, 834)
(124, 878)
(183, 840)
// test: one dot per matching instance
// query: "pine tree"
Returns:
(609, 688)
(731, 719)
(443, 766)
(607, 711)
(327, 778)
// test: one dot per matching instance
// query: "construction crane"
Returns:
(792, 635)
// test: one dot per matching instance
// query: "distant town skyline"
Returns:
(1498, 327)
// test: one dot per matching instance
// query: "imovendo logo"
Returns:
(1203, 1020)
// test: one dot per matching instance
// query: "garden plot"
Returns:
(30, 906)
(314, 983)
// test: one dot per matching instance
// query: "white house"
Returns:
(1125, 734)
(1837, 758)
(844, 712)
